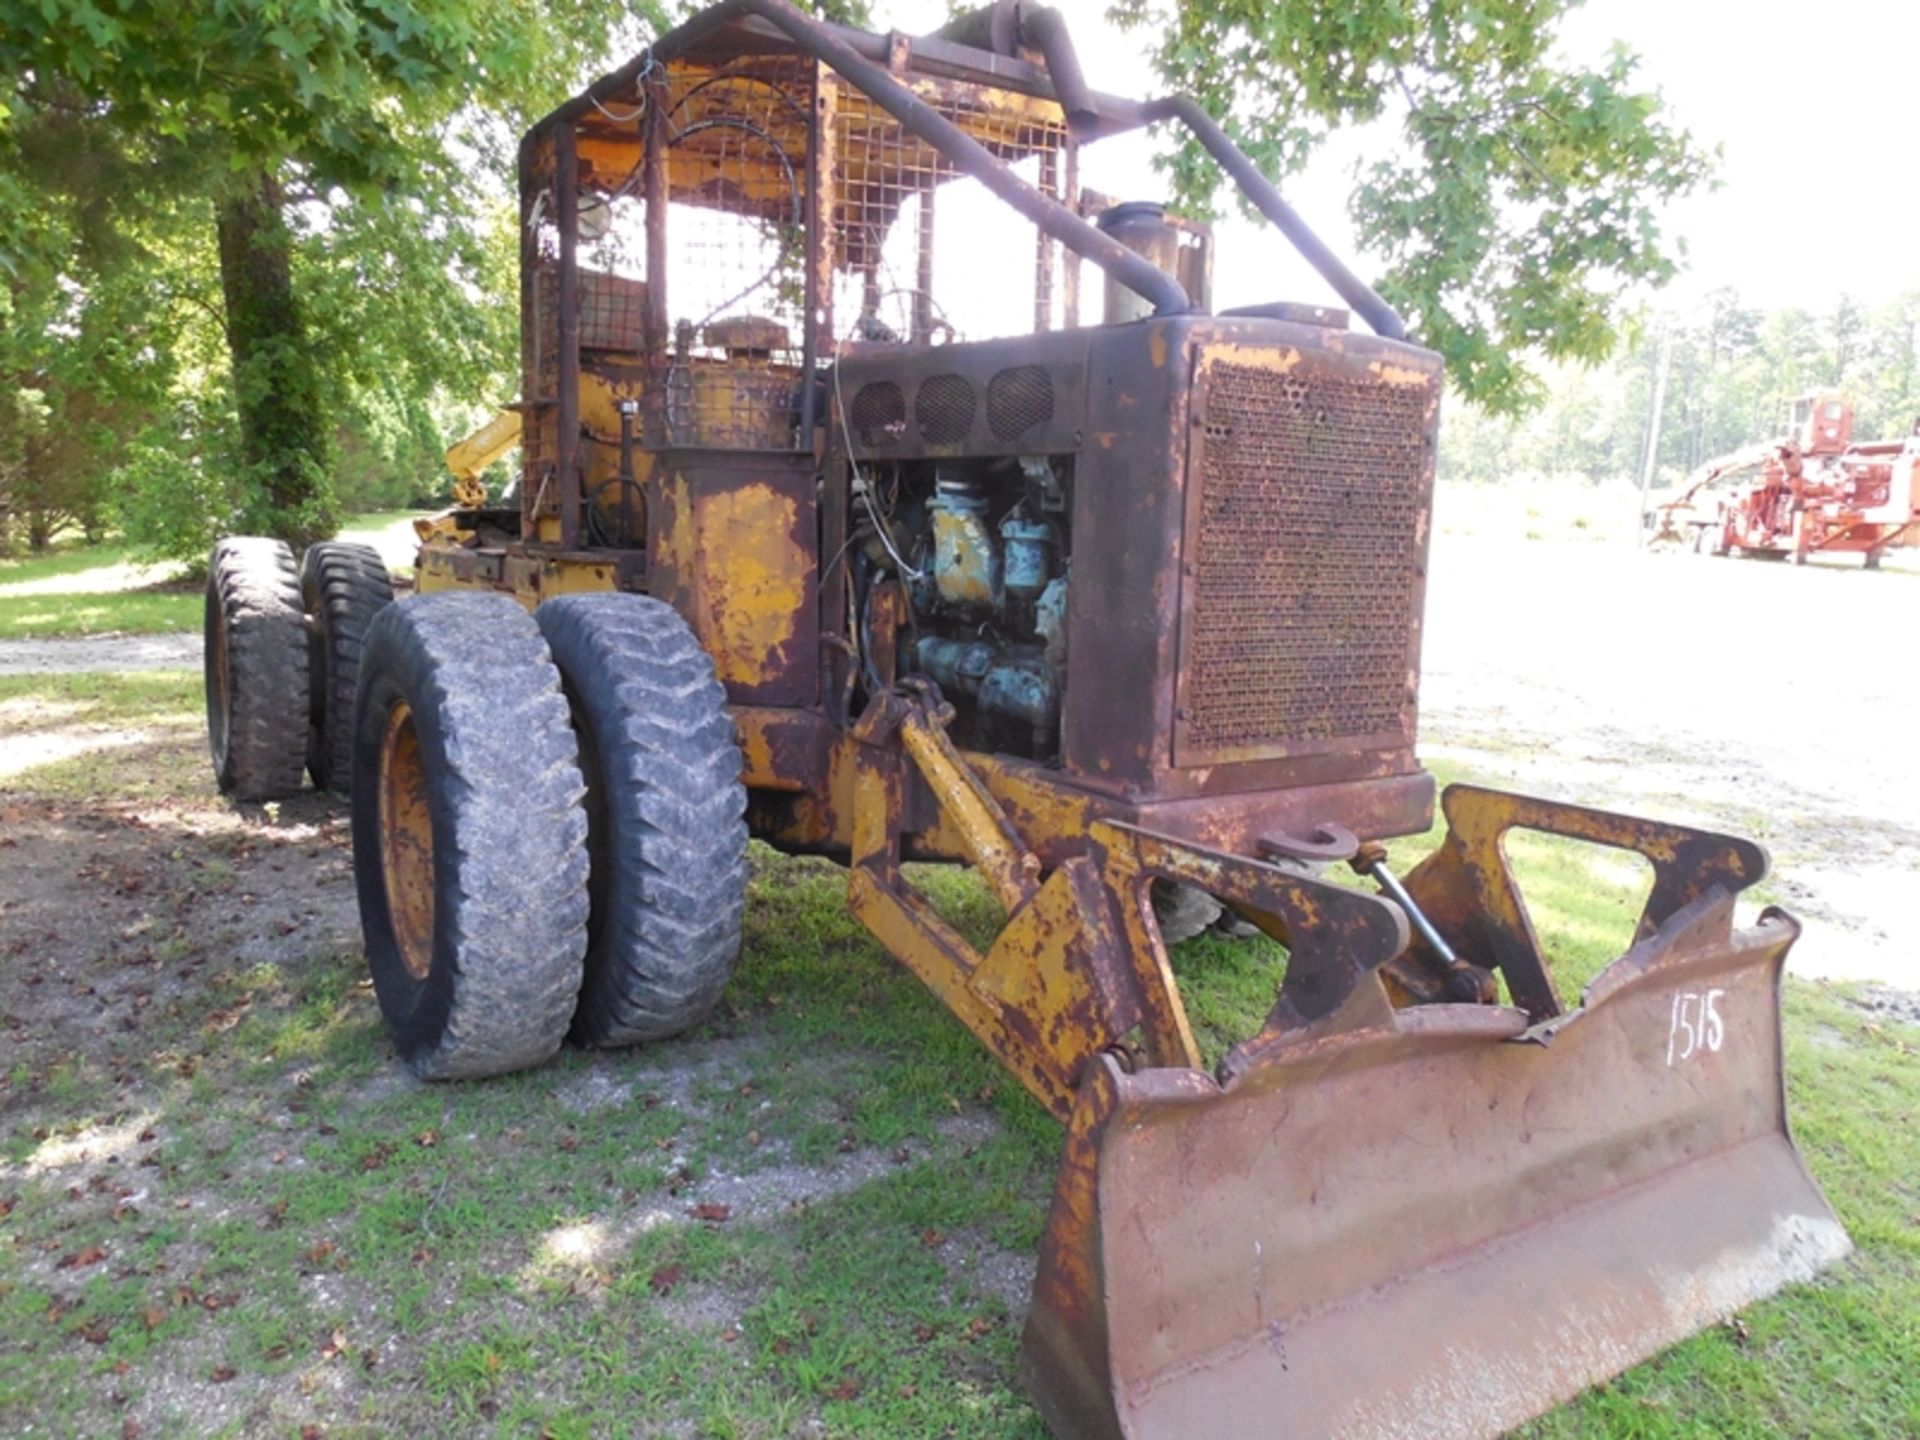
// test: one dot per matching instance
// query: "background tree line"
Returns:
(1730, 369)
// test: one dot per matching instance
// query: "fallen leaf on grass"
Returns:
(932, 1239)
(847, 1389)
(709, 1210)
(427, 1139)
(80, 1259)
(335, 1346)
(222, 1374)
(320, 1252)
(154, 1316)
(665, 1278)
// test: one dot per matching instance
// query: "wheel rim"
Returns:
(406, 841)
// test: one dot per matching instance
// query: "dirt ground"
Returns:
(102, 652)
(1773, 702)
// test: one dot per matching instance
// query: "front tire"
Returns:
(665, 808)
(256, 669)
(469, 838)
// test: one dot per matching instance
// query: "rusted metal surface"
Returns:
(733, 542)
(1310, 491)
(1468, 889)
(1453, 1226)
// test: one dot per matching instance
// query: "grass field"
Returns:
(224, 1210)
(107, 589)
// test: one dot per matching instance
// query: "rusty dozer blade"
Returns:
(1443, 1219)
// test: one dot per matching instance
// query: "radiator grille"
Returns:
(1302, 599)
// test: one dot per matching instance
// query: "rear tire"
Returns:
(1183, 912)
(256, 669)
(342, 587)
(469, 838)
(665, 808)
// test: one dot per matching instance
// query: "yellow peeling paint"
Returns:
(751, 596)
(1398, 374)
(1279, 359)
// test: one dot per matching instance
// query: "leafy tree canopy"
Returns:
(318, 179)
(1522, 207)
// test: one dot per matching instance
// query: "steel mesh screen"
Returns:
(922, 252)
(1019, 399)
(943, 409)
(1302, 596)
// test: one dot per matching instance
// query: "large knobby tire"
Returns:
(342, 587)
(469, 837)
(256, 669)
(1183, 912)
(665, 808)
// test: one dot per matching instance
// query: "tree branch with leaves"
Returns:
(1520, 204)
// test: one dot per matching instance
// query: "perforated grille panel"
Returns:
(943, 409)
(1303, 593)
(879, 415)
(1018, 400)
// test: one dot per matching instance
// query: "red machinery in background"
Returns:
(1814, 491)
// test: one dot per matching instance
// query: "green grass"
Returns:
(517, 1257)
(77, 590)
(92, 590)
(65, 558)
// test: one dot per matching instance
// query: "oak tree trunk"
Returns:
(286, 433)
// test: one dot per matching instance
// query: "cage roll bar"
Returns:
(1090, 112)
(925, 123)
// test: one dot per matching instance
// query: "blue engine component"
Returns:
(1014, 683)
(992, 578)
(1026, 550)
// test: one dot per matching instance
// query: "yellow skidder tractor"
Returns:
(838, 526)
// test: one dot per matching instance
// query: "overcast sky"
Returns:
(1815, 107)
